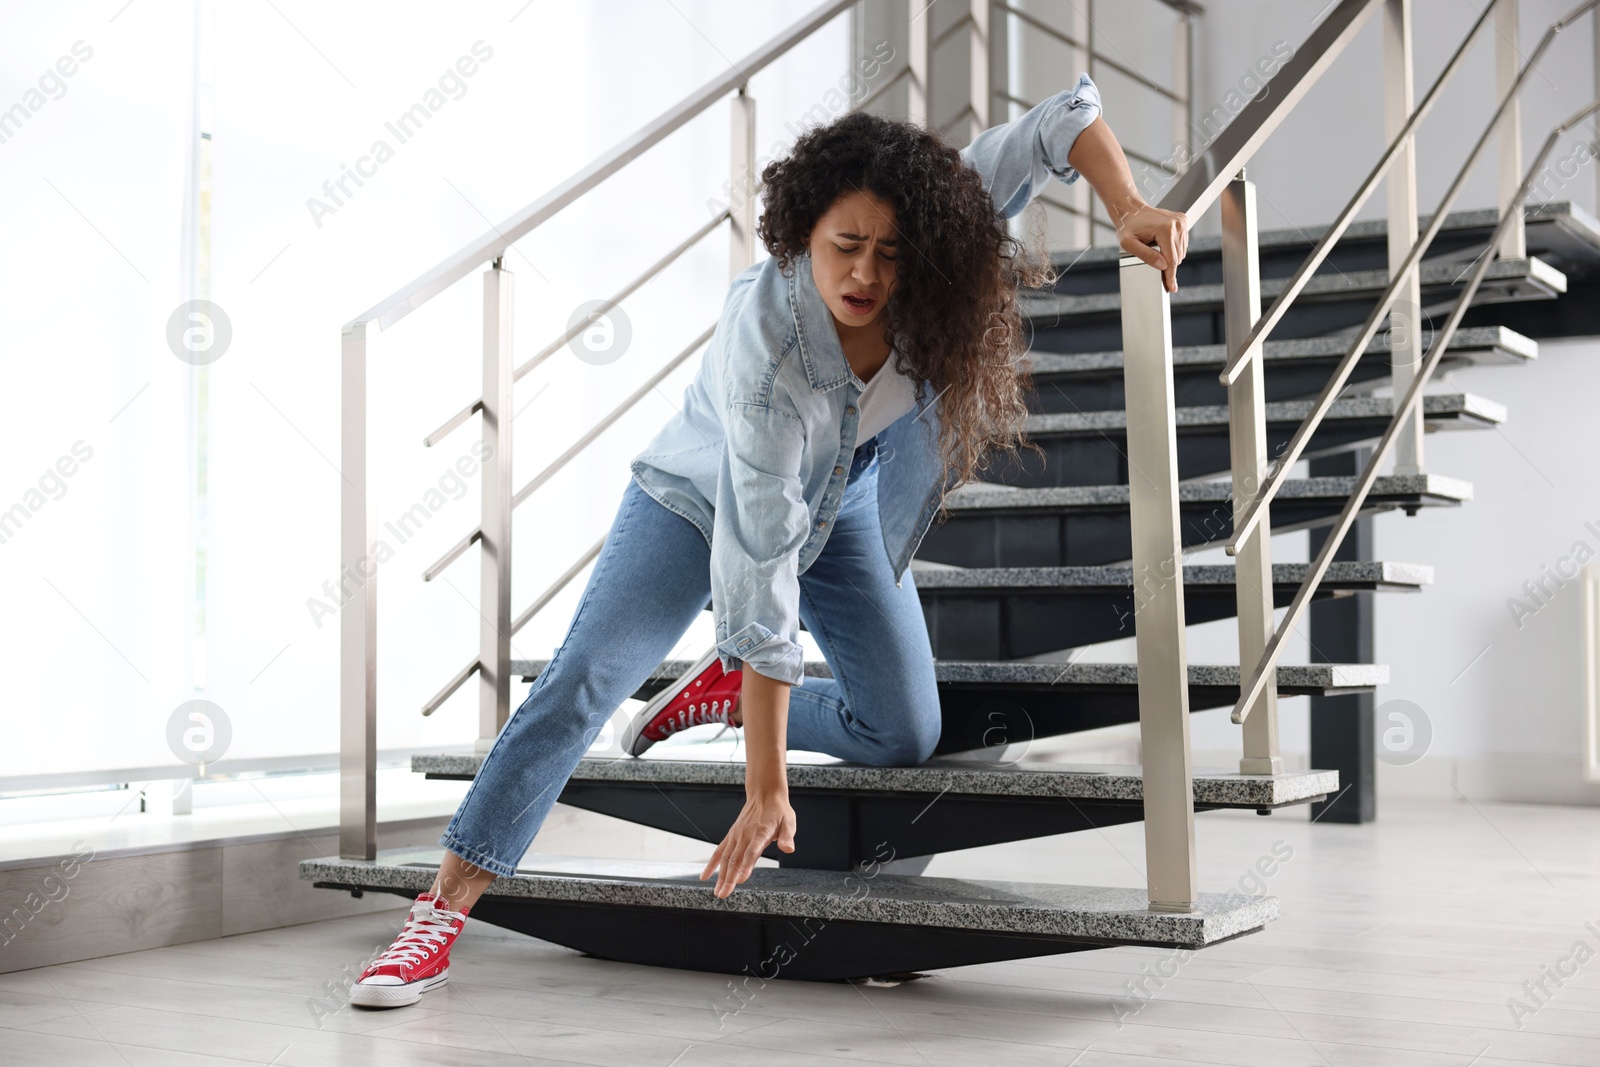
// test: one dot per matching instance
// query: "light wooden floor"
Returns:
(1400, 943)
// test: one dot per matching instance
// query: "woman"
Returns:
(886, 315)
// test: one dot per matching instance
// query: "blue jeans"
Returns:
(651, 580)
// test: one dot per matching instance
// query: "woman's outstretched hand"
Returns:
(1167, 230)
(767, 817)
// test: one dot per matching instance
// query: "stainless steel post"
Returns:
(1513, 242)
(981, 90)
(1405, 317)
(494, 567)
(919, 62)
(1182, 82)
(742, 189)
(358, 619)
(1158, 587)
(1247, 440)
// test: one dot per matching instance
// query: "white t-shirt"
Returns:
(888, 395)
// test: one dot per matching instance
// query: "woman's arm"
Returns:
(766, 816)
(1098, 157)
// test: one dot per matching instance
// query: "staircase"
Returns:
(1035, 568)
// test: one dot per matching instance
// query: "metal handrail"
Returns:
(1072, 42)
(583, 442)
(572, 331)
(1202, 182)
(517, 624)
(1413, 398)
(1269, 320)
(1281, 466)
(499, 239)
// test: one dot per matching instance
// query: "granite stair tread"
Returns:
(1439, 410)
(1362, 573)
(1568, 231)
(1104, 914)
(1213, 787)
(1293, 678)
(1505, 279)
(993, 496)
(1475, 346)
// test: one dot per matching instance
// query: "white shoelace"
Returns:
(425, 928)
(701, 715)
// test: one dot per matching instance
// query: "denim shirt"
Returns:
(759, 454)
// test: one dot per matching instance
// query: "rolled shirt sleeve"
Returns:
(760, 524)
(1018, 158)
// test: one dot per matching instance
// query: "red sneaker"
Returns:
(702, 694)
(418, 961)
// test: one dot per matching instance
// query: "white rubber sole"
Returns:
(395, 996)
(634, 743)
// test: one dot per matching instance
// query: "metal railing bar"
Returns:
(957, 117)
(1441, 342)
(555, 346)
(1096, 219)
(521, 620)
(885, 87)
(578, 446)
(455, 683)
(1335, 385)
(558, 585)
(605, 423)
(1099, 57)
(950, 31)
(454, 554)
(494, 243)
(1008, 98)
(1302, 275)
(1202, 182)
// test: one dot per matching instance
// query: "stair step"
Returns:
(1092, 321)
(1092, 381)
(994, 525)
(999, 613)
(989, 707)
(1506, 279)
(1213, 787)
(795, 923)
(945, 805)
(1091, 447)
(1563, 234)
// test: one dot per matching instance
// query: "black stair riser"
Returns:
(1202, 323)
(1083, 538)
(841, 831)
(1011, 624)
(1100, 457)
(1203, 266)
(1198, 385)
(995, 716)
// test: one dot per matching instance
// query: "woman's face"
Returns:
(853, 246)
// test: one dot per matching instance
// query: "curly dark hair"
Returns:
(953, 317)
